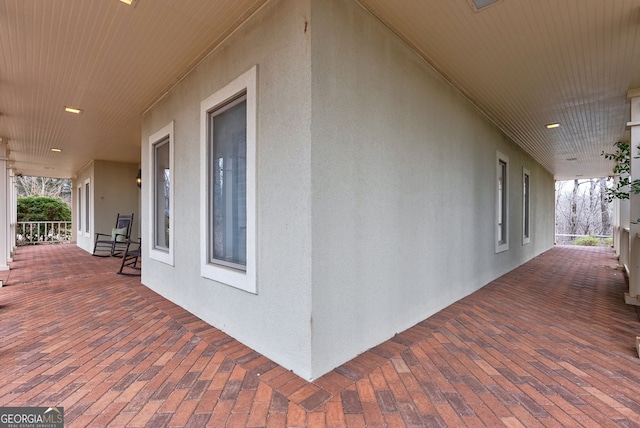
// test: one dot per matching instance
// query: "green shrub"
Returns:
(43, 208)
(587, 241)
(608, 242)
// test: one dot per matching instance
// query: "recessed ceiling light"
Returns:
(481, 4)
(55, 149)
(129, 2)
(572, 159)
(552, 125)
(72, 110)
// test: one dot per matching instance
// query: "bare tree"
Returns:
(590, 226)
(44, 186)
(573, 221)
(604, 208)
(582, 208)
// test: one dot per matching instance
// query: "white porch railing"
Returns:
(43, 232)
(567, 239)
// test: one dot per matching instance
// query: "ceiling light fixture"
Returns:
(129, 2)
(55, 149)
(552, 125)
(481, 4)
(72, 110)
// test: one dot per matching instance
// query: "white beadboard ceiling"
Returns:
(107, 58)
(524, 63)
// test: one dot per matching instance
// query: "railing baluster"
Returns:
(43, 232)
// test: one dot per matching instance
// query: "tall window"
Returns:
(228, 184)
(502, 203)
(87, 207)
(79, 215)
(526, 206)
(161, 194)
(228, 150)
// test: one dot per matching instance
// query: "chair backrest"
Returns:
(125, 221)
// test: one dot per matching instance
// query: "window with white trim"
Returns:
(228, 164)
(502, 203)
(87, 208)
(161, 195)
(79, 214)
(526, 206)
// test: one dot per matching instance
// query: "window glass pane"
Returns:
(526, 205)
(79, 216)
(162, 194)
(86, 211)
(502, 206)
(228, 184)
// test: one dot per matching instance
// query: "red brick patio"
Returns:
(549, 344)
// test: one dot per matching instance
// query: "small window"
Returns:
(87, 208)
(228, 152)
(502, 203)
(161, 195)
(526, 206)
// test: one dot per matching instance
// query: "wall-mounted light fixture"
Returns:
(139, 179)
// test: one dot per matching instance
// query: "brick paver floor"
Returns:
(549, 344)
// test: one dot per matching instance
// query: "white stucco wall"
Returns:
(403, 188)
(276, 320)
(112, 190)
(375, 188)
(115, 191)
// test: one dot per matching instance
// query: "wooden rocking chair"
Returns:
(132, 252)
(115, 243)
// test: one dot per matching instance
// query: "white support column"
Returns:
(620, 226)
(12, 212)
(4, 201)
(634, 203)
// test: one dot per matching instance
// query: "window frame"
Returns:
(246, 279)
(86, 211)
(502, 203)
(526, 206)
(80, 214)
(212, 114)
(165, 135)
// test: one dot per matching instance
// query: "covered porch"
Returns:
(552, 343)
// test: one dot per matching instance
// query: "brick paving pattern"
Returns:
(549, 344)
